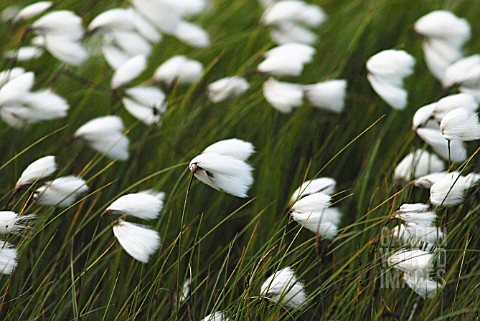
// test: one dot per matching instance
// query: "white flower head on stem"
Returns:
(192, 34)
(41, 168)
(460, 124)
(418, 213)
(10, 222)
(283, 96)
(145, 205)
(428, 180)
(145, 103)
(293, 11)
(138, 241)
(326, 185)
(317, 202)
(435, 139)
(61, 192)
(284, 288)
(418, 163)
(328, 95)
(178, 69)
(286, 60)
(105, 135)
(411, 260)
(32, 10)
(442, 24)
(128, 71)
(323, 223)
(424, 286)
(451, 189)
(8, 258)
(233, 147)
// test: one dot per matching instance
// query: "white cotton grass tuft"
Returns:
(414, 234)
(428, 180)
(233, 147)
(387, 69)
(451, 189)
(439, 144)
(326, 185)
(41, 168)
(61, 192)
(32, 10)
(460, 124)
(192, 34)
(423, 285)
(411, 260)
(24, 53)
(138, 241)
(286, 60)
(284, 288)
(328, 95)
(226, 88)
(324, 223)
(216, 316)
(105, 135)
(11, 222)
(8, 258)
(316, 202)
(128, 71)
(144, 205)
(146, 103)
(178, 69)
(418, 163)
(283, 96)
(417, 213)
(222, 166)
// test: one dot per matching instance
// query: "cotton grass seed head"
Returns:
(326, 185)
(460, 124)
(8, 258)
(61, 192)
(284, 288)
(41, 168)
(10, 222)
(138, 241)
(144, 205)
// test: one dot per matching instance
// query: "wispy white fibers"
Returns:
(417, 213)
(41, 168)
(144, 205)
(284, 288)
(328, 95)
(147, 104)
(11, 222)
(428, 180)
(411, 260)
(32, 10)
(286, 60)
(451, 189)
(326, 185)
(424, 286)
(460, 124)
(192, 34)
(128, 71)
(435, 139)
(222, 166)
(233, 147)
(178, 69)
(217, 316)
(445, 34)
(111, 20)
(387, 69)
(226, 88)
(61, 192)
(418, 163)
(465, 74)
(414, 234)
(105, 135)
(138, 241)
(8, 258)
(283, 96)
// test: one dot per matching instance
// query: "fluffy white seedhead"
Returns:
(286, 60)
(414, 207)
(145, 205)
(114, 56)
(105, 135)
(138, 241)
(41, 168)
(418, 163)
(233, 147)
(323, 223)
(287, 32)
(32, 10)
(128, 71)
(10, 222)
(7, 75)
(312, 203)
(8, 258)
(145, 103)
(178, 69)
(391, 64)
(130, 42)
(422, 285)
(14, 90)
(464, 70)
(411, 260)
(442, 24)
(61, 192)
(439, 55)
(283, 96)
(293, 11)
(460, 124)
(435, 139)
(326, 185)
(284, 288)
(143, 26)
(228, 87)
(110, 20)
(223, 173)
(217, 316)
(393, 94)
(428, 180)
(328, 95)
(417, 213)
(450, 190)
(449, 103)
(423, 117)
(65, 49)
(61, 23)
(192, 34)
